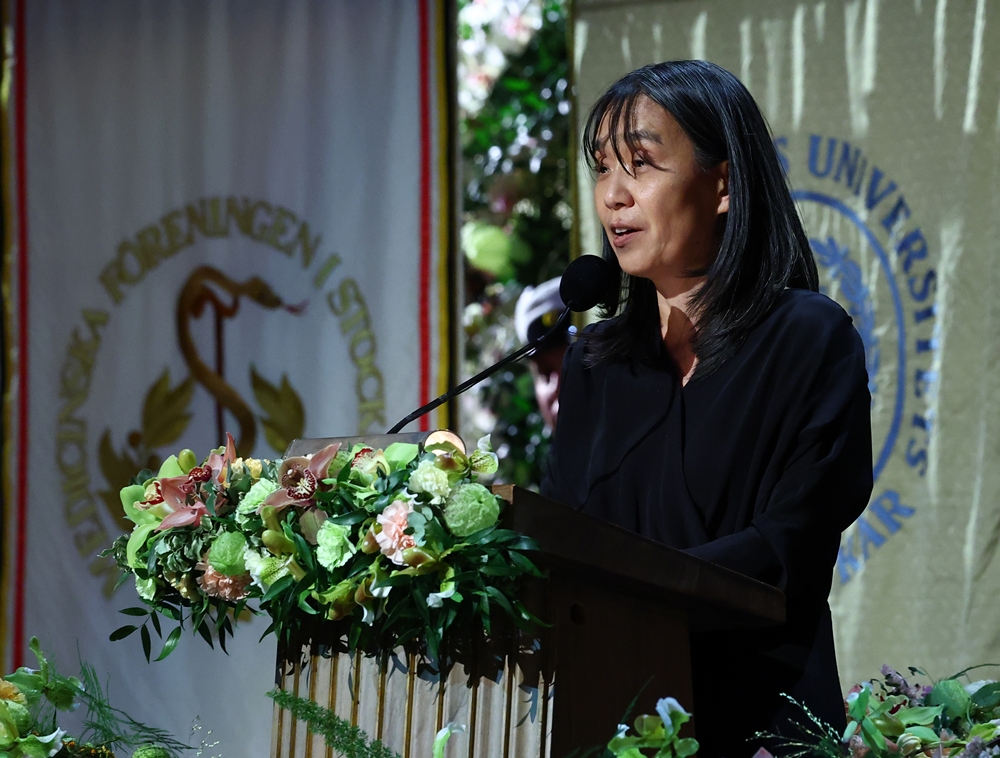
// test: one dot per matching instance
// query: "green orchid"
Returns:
(660, 732)
(61, 691)
(399, 455)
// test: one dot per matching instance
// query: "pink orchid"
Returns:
(299, 478)
(215, 466)
(177, 496)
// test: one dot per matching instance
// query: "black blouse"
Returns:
(758, 467)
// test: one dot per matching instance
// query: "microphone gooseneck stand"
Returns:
(583, 286)
(517, 355)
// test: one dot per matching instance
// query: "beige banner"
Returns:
(887, 116)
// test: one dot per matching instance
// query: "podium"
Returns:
(621, 611)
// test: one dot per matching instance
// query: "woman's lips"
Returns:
(622, 237)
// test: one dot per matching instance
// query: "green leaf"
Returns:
(206, 633)
(852, 728)
(925, 734)
(120, 633)
(987, 696)
(278, 588)
(963, 672)
(147, 643)
(170, 644)
(952, 695)
(686, 747)
(872, 736)
(500, 600)
(859, 707)
(135, 611)
(350, 518)
(922, 715)
(172, 613)
(524, 563)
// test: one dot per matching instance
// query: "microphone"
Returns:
(583, 285)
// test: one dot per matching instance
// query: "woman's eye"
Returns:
(638, 162)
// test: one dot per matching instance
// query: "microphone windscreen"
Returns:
(585, 283)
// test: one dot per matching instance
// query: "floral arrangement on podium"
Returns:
(402, 544)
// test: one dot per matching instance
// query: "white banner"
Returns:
(224, 216)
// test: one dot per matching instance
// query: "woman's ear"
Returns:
(722, 171)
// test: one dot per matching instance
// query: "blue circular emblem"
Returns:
(835, 260)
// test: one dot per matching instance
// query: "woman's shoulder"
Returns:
(806, 315)
(809, 331)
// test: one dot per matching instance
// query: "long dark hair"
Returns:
(763, 248)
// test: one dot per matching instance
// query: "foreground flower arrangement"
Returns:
(893, 718)
(401, 544)
(30, 700)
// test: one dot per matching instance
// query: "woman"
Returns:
(724, 408)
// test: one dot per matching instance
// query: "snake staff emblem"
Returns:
(165, 414)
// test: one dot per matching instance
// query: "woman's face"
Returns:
(660, 210)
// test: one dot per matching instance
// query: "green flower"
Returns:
(429, 479)
(146, 588)
(483, 460)
(256, 495)
(151, 751)
(265, 569)
(335, 547)
(21, 717)
(341, 459)
(470, 507)
(340, 600)
(226, 554)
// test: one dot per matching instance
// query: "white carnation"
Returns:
(431, 480)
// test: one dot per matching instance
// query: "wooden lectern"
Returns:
(621, 608)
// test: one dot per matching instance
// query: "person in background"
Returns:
(537, 310)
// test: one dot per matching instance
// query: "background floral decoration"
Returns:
(515, 107)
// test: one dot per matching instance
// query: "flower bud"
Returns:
(908, 743)
(254, 467)
(186, 460)
(419, 558)
(362, 595)
(341, 600)
(270, 518)
(277, 542)
(369, 544)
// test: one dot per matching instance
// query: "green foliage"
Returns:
(516, 151)
(516, 173)
(893, 718)
(518, 431)
(32, 730)
(336, 732)
(113, 728)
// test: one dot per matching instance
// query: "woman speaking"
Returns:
(722, 407)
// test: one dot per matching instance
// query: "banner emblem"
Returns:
(219, 352)
(872, 259)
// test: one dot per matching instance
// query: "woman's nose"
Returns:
(616, 191)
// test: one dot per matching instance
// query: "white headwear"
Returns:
(541, 304)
